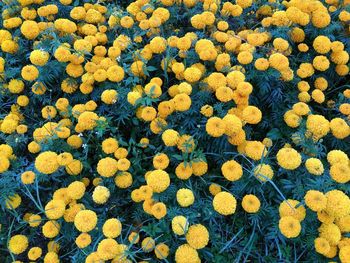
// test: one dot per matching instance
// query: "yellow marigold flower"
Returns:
(107, 167)
(76, 190)
(107, 249)
(224, 203)
(148, 244)
(289, 226)
(337, 156)
(18, 244)
(288, 158)
(317, 125)
(85, 220)
(185, 253)
(344, 253)
(100, 194)
(179, 225)
(292, 208)
(29, 73)
(338, 203)
(252, 115)
(340, 172)
(112, 228)
(123, 180)
(207, 111)
(340, 129)
(161, 251)
(315, 200)
(255, 150)
(331, 233)
(4, 164)
(192, 74)
(55, 209)
(30, 29)
(232, 170)
(197, 236)
(321, 245)
(185, 197)
(110, 145)
(27, 177)
(34, 253)
(250, 203)
(46, 162)
(109, 96)
(161, 161)
(215, 127)
(214, 189)
(158, 180)
(83, 240)
(159, 210)
(320, 19)
(314, 166)
(39, 57)
(134, 237)
(158, 45)
(51, 229)
(170, 137)
(34, 220)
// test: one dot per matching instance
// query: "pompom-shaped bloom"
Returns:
(185, 197)
(101, 194)
(55, 209)
(158, 180)
(85, 220)
(107, 167)
(338, 204)
(292, 208)
(232, 170)
(224, 203)
(289, 226)
(185, 254)
(250, 203)
(197, 236)
(107, 249)
(179, 225)
(46, 162)
(288, 158)
(314, 166)
(315, 200)
(112, 228)
(18, 244)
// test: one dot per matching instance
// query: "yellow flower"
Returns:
(12, 202)
(179, 225)
(288, 208)
(76, 190)
(46, 162)
(30, 73)
(340, 172)
(232, 170)
(185, 197)
(85, 220)
(338, 204)
(100, 194)
(55, 209)
(123, 180)
(159, 210)
(215, 127)
(224, 203)
(322, 245)
(34, 253)
(185, 253)
(288, 158)
(161, 251)
(109, 96)
(250, 203)
(170, 137)
(107, 249)
(112, 228)
(51, 229)
(148, 244)
(107, 167)
(289, 226)
(83, 240)
(4, 164)
(331, 233)
(18, 244)
(315, 200)
(263, 172)
(158, 180)
(197, 236)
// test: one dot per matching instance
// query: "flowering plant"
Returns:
(174, 130)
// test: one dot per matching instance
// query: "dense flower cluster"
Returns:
(180, 131)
